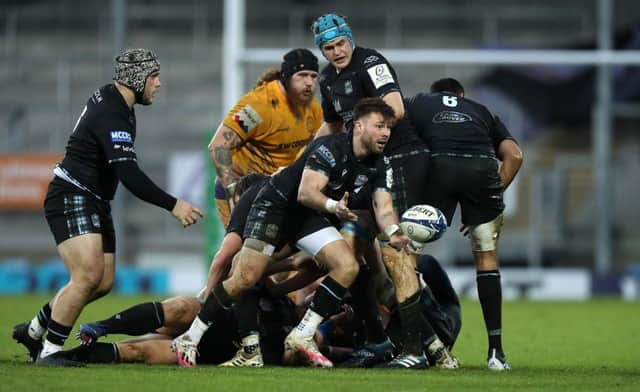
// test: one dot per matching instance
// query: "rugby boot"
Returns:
(306, 348)
(248, 355)
(20, 334)
(89, 333)
(186, 350)
(406, 361)
(497, 362)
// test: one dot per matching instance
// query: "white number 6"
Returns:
(450, 101)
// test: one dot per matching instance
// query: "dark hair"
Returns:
(447, 85)
(269, 75)
(246, 182)
(372, 105)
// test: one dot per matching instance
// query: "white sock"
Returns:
(49, 348)
(435, 346)
(196, 330)
(309, 324)
(35, 330)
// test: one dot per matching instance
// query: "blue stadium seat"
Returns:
(15, 276)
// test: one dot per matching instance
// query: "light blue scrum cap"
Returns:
(329, 27)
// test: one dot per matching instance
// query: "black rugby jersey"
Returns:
(368, 74)
(105, 133)
(333, 156)
(454, 125)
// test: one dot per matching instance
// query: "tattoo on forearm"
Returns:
(231, 139)
(222, 156)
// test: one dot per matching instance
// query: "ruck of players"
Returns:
(314, 268)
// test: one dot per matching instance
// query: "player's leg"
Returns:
(360, 236)
(249, 353)
(408, 188)
(252, 261)
(84, 259)
(169, 317)
(325, 243)
(482, 207)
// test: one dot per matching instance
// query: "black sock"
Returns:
(44, 315)
(97, 353)
(217, 299)
(365, 307)
(490, 294)
(104, 353)
(416, 330)
(57, 333)
(246, 309)
(328, 296)
(137, 320)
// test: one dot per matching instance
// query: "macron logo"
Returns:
(121, 136)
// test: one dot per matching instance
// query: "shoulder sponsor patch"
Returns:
(370, 59)
(449, 116)
(323, 151)
(120, 137)
(380, 75)
(247, 118)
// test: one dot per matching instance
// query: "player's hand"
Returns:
(464, 230)
(185, 213)
(342, 211)
(399, 241)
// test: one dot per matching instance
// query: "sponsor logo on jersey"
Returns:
(448, 116)
(380, 75)
(124, 148)
(97, 96)
(361, 180)
(337, 106)
(348, 87)
(324, 152)
(247, 118)
(121, 137)
(370, 59)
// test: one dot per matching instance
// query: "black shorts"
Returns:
(71, 212)
(472, 182)
(406, 177)
(275, 221)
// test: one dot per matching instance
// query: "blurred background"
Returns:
(563, 76)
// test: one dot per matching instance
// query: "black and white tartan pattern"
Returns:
(79, 220)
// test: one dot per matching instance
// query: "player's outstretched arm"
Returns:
(185, 213)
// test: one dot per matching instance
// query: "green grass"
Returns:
(550, 345)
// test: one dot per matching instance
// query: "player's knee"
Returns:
(132, 352)
(349, 269)
(484, 237)
(180, 309)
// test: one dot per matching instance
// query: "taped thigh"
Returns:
(484, 237)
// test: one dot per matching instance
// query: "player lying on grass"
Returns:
(439, 304)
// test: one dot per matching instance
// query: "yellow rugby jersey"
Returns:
(272, 134)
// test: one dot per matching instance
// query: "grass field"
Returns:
(550, 345)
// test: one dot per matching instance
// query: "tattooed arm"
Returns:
(224, 140)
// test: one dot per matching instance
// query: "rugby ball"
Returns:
(423, 223)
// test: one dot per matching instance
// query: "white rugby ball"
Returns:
(423, 223)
